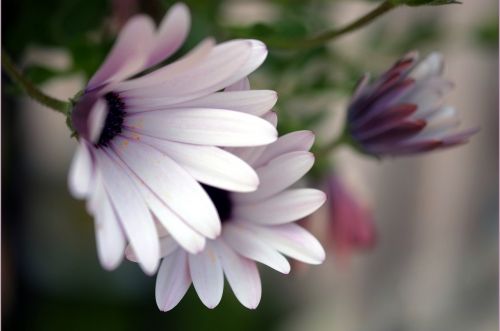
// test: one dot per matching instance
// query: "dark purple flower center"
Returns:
(114, 120)
(222, 201)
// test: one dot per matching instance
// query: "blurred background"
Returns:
(434, 262)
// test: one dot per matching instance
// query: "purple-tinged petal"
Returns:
(242, 275)
(210, 165)
(208, 279)
(403, 130)
(241, 85)
(81, 172)
(170, 183)
(97, 119)
(187, 237)
(168, 245)
(254, 102)
(278, 174)
(290, 142)
(131, 211)
(291, 240)
(459, 138)
(432, 65)
(110, 238)
(385, 121)
(171, 34)
(204, 126)
(244, 242)
(405, 149)
(285, 207)
(129, 54)
(378, 103)
(204, 77)
(172, 281)
(192, 59)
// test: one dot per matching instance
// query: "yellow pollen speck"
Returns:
(211, 255)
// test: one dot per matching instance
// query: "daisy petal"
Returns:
(171, 34)
(131, 211)
(210, 165)
(255, 102)
(110, 239)
(292, 240)
(170, 183)
(271, 117)
(128, 55)
(247, 154)
(242, 275)
(167, 246)
(195, 56)
(257, 56)
(189, 239)
(80, 172)
(285, 207)
(278, 174)
(241, 85)
(245, 243)
(204, 127)
(172, 281)
(203, 77)
(432, 65)
(97, 118)
(291, 142)
(207, 276)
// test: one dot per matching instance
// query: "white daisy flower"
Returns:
(145, 142)
(256, 227)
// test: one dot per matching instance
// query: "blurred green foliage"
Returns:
(486, 34)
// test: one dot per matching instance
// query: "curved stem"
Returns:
(326, 36)
(56, 104)
(334, 144)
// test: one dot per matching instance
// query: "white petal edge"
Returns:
(191, 240)
(254, 102)
(280, 173)
(285, 207)
(207, 276)
(241, 85)
(80, 172)
(129, 53)
(291, 240)
(201, 78)
(250, 246)
(209, 165)
(131, 210)
(257, 57)
(172, 281)
(171, 33)
(167, 246)
(202, 126)
(290, 142)
(170, 183)
(110, 239)
(242, 275)
(195, 56)
(97, 119)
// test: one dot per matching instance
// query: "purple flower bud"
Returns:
(402, 112)
(350, 226)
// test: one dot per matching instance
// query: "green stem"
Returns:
(30, 89)
(334, 144)
(326, 36)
